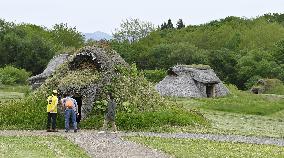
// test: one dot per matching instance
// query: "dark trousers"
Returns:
(51, 118)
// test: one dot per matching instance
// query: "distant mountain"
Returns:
(98, 35)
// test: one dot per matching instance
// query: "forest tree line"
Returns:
(240, 50)
(30, 47)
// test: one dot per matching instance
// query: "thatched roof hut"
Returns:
(83, 75)
(191, 81)
(54, 63)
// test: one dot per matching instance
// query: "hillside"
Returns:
(240, 50)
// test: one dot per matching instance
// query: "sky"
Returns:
(106, 15)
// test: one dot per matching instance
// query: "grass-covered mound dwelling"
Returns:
(268, 86)
(88, 74)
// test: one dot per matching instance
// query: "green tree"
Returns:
(258, 63)
(170, 24)
(279, 51)
(132, 30)
(224, 62)
(180, 24)
(67, 36)
(10, 75)
(164, 26)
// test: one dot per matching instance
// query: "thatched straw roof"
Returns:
(190, 81)
(53, 64)
(204, 75)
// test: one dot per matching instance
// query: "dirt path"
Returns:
(112, 145)
(98, 145)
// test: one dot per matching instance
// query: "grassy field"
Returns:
(38, 146)
(13, 92)
(240, 113)
(183, 148)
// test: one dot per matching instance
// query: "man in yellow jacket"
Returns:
(52, 111)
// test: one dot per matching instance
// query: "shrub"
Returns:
(172, 116)
(10, 75)
(27, 113)
(148, 120)
(154, 76)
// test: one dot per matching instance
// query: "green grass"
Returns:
(244, 103)
(15, 92)
(240, 113)
(15, 88)
(10, 95)
(39, 147)
(183, 148)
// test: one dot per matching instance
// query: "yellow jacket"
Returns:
(52, 104)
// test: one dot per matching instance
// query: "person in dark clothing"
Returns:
(110, 115)
(78, 119)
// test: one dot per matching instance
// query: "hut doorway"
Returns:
(79, 103)
(210, 90)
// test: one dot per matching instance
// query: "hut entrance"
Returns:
(79, 102)
(210, 90)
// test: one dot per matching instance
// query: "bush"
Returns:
(152, 120)
(10, 75)
(27, 113)
(155, 76)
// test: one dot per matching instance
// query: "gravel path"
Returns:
(214, 137)
(98, 145)
(112, 145)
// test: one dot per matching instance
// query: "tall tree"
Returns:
(67, 36)
(132, 30)
(164, 26)
(180, 24)
(170, 24)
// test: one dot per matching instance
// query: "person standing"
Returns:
(110, 115)
(71, 108)
(52, 111)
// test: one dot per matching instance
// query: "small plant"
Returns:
(100, 106)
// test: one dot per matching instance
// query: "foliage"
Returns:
(236, 48)
(206, 148)
(67, 36)
(180, 24)
(154, 76)
(10, 75)
(132, 30)
(79, 78)
(31, 47)
(132, 87)
(168, 25)
(159, 120)
(260, 63)
(27, 113)
(100, 106)
(152, 120)
(39, 146)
